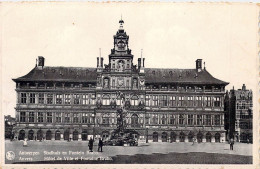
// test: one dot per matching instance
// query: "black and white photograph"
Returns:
(88, 84)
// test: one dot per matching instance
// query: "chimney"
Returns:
(244, 87)
(198, 65)
(101, 64)
(97, 61)
(41, 61)
(139, 63)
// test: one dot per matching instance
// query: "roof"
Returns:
(66, 74)
(156, 75)
(152, 75)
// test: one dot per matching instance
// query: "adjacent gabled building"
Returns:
(239, 114)
(168, 105)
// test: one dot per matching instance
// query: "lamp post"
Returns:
(146, 131)
(94, 119)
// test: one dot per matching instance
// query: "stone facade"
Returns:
(163, 105)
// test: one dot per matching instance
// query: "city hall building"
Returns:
(162, 105)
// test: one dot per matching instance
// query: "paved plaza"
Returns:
(72, 151)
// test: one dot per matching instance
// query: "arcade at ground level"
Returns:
(140, 135)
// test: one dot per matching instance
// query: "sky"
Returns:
(172, 35)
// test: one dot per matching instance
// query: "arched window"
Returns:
(84, 135)
(39, 134)
(30, 135)
(217, 137)
(199, 137)
(182, 137)
(75, 135)
(134, 121)
(66, 135)
(134, 100)
(106, 100)
(164, 119)
(208, 137)
(173, 137)
(48, 135)
(21, 135)
(164, 137)
(190, 136)
(57, 135)
(155, 137)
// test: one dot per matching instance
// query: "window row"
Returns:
(50, 117)
(49, 98)
(184, 119)
(190, 101)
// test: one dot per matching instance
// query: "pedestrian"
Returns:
(90, 145)
(231, 143)
(100, 144)
(247, 140)
(193, 141)
(25, 142)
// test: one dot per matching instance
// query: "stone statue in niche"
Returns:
(135, 83)
(106, 82)
(120, 66)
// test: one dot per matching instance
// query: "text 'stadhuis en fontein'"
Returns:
(161, 105)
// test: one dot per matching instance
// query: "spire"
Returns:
(121, 22)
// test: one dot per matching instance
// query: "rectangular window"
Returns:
(105, 120)
(58, 117)
(172, 119)
(199, 119)
(49, 98)
(23, 98)
(40, 117)
(181, 101)
(75, 118)
(58, 98)
(134, 102)
(105, 101)
(164, 119)
(41, 98)
(172, 101)
(181, 119)
(85, 118)
(85, 99)
(76, 98)
(67, 118)
(31, 117)
(217, 101)
(147, 100)
(127, 83)
(93, 99)
(208, 120)
(190, 119)
(49, 117)
(199, 101)
(22, 116)
(155, 101)
(67, 98)
(217, 119)
(32, 97)
(118, 101)
(207, 101)
(163, 101)
(190, 101)
(113, 83)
